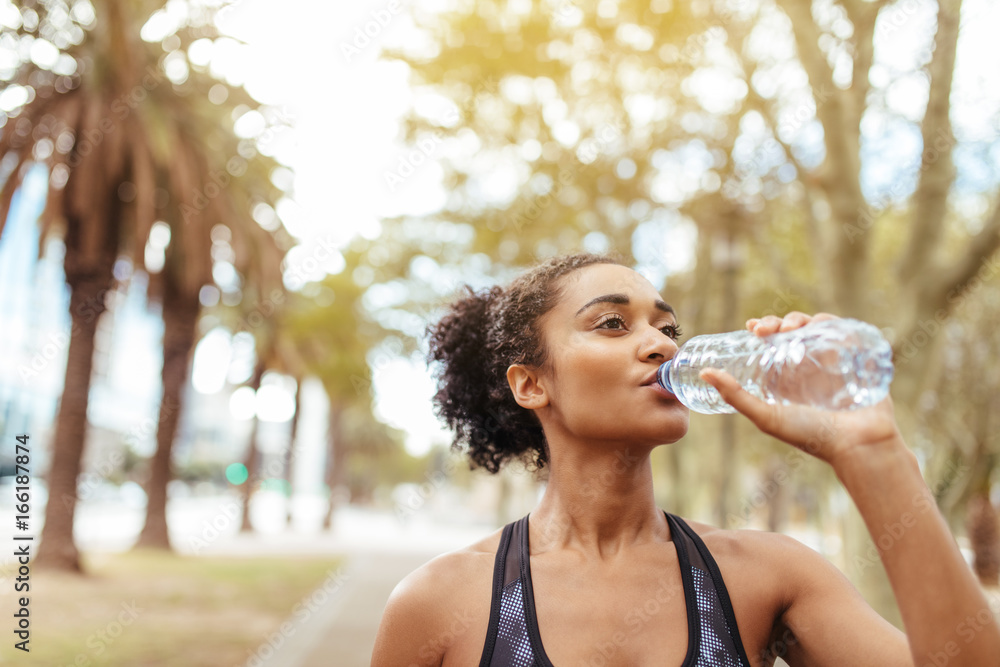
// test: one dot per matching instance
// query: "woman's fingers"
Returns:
(759, 412)
(766, 325)
(811, 430)
(771, 324)
(794, 320)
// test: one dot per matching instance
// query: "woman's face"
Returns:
(605, 339)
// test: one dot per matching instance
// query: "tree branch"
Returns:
(957, 281)
(820, 297)
(930, 201)
(863, 16)
(843, 184)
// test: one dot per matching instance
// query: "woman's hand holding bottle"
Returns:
(836, 437)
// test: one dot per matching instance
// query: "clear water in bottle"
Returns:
(840, 364)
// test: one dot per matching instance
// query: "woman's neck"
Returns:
(598, 500)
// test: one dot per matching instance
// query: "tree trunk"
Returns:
(290, 466)
(252, 461)
(777, 491)
(981, 520)
(984, 534)
(87, 292)
(865, 569)
(983, 526)
(334, 462)
(180, 317)
(728, 260)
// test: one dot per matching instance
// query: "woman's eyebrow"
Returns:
(623, 300)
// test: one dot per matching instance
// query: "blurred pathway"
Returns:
(342, 631)
(335, 624)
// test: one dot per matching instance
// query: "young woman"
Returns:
(558, 369)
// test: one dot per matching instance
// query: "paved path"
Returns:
(377, 548)
(345, 610)
(342, 632)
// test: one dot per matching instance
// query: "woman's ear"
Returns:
(524, 383)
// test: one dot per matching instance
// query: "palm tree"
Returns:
(126, 146)
(333, 338)
(226, 230)
(275, 351)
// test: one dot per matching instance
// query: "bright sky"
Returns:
(345, 106)
(310, 59)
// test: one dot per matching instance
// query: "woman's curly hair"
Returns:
(475, 342)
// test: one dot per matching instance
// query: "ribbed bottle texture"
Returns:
(840, 364)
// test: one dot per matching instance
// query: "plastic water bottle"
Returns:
(840, 364)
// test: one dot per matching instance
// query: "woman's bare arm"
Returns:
(945, 613)
(439, 611)
(411, 621)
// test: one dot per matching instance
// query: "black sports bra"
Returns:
(513, 639)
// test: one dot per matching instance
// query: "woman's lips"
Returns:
(661, 391)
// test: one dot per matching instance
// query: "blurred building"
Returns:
(35, 331)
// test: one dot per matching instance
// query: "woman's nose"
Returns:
(657, 346)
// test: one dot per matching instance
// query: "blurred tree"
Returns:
(373, 456)
(629, 124)
(275, 351)
(334, 335)
(252, 460)
(216, 229)
(129, 136)
(292, 434)
(966, 461)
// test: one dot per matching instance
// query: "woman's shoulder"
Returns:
(749, 542)
(453, 568)
(777, 561)
(438, 603)
(445, 579)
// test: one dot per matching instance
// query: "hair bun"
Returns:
(476, 342)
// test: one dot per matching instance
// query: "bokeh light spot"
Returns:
(236, 473)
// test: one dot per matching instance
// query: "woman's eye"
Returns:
(613, 323)
(672, 331)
